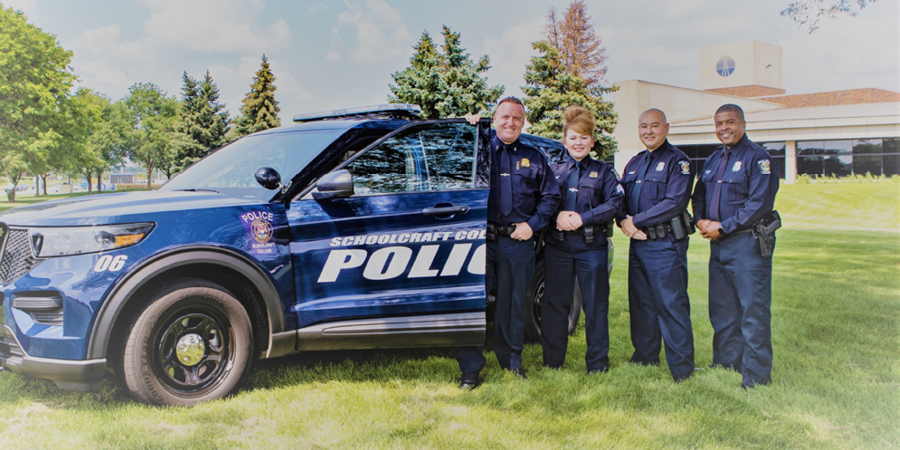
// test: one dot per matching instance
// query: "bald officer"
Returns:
(735, 196)
(523, 195)
(657, 186)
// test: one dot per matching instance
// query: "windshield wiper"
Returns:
(198, 190)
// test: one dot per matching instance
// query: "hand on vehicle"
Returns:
(473, 118)
(523, 232)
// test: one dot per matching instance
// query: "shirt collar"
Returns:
(498, 145)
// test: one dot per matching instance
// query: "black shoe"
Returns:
(469, 380)
(548, 366)
(519, 373)
(680, 378)
(600, 370)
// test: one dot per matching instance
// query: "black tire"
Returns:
(185, 313)
(535, 297)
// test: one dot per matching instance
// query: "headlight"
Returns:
(60, 241)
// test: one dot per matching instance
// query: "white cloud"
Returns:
(316, 7)
(332, 56)
(29, 7)
(183, 33)
(511, 52)
(381, 32)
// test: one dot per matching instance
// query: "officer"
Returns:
(735, 195)
(657, 190)
(523, 195)
(576, 245)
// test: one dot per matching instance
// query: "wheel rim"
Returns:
(194, 351)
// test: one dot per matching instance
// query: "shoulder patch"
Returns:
(765, 167)
(685, 167)
(619, 189)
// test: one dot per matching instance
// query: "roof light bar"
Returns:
(394, 110)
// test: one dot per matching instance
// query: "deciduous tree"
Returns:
(155, 118)
(446, 83)
(576, 42)
(551, 88)
(35, 80)
(808, 13)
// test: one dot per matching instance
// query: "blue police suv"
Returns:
(348, 230)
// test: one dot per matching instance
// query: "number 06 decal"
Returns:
(107, 262)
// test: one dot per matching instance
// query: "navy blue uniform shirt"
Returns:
(534, 189)
(748, 187)
(666, 185)
(598, 196)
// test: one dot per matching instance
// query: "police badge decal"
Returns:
(258, 225)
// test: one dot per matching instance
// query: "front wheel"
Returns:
(191, 344)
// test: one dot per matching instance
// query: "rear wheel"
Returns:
(191, 344)
(535, 297)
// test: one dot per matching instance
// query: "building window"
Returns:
(776, 151)
(841, 158)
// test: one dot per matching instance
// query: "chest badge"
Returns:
(685, 167)
(594, 175)
(526, 162)
(660, 166)
(737, 167)
(765, 167)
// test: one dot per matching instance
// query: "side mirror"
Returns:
(336, 184)
(268, 178)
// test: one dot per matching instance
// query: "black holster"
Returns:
(764, 232)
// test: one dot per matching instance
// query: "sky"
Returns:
(340, 54)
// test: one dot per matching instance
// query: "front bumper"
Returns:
(67, 374)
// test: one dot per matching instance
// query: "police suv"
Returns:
(353, 229)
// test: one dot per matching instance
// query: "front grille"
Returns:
(17, 257)
(9, 348)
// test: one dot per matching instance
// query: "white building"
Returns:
(829, 133)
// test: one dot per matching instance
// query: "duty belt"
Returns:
(679, 227)
(588, 231)
(494, 230)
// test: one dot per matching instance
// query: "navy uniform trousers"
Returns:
(563, 260)
(659, 305)
(508, 271)
(740, 301)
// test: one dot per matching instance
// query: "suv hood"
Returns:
(111, 208)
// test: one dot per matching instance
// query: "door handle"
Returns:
(448, 210)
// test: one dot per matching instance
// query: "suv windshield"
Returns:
(231, 169)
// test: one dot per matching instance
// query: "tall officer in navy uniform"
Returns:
(523, 195)
(576, 245)
(736, 191)
(657, 185)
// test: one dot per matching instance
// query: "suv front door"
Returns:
(405, 253)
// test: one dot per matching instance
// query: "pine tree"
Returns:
(578, 46)
(551, 88)
(202, 121)
(446, 83)
(260, 109)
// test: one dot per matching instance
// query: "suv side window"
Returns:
(436, 157)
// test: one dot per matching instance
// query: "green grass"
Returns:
(835, 380)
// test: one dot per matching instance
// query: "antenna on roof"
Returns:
(386, 111)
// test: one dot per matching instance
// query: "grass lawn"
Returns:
(836, 378)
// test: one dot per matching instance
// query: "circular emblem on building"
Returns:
(725, 66)
(262, 230)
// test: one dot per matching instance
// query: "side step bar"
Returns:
(439, 330)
